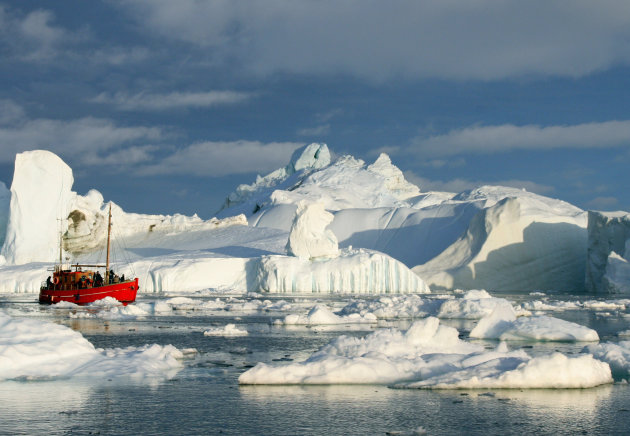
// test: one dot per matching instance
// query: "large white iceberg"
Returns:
(493, 238)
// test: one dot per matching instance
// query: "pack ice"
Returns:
(431, 355)
(320, 224)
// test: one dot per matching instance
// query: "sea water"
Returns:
(205, 397)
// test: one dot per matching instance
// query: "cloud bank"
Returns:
(508, 137)
(456, 39)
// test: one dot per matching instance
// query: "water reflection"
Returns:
(40, 407)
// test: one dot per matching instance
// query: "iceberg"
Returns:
(404, 240)
(519, 243)
(40, 197)
(608, 268)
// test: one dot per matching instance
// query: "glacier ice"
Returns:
(309, 238)
(494, 238)
(354, 271)
(519, 243)
(40, 198)
(608, 267)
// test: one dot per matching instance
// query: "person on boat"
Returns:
(122, 278)
(111, 276)
(98, 279)
(48, 283)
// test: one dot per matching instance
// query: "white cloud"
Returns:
(461, 39)
(507, 137)
(76, 140)
(157, 102)
(459, 185)
(215, 159)
(34, 37)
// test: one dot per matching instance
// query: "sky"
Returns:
(166, 106)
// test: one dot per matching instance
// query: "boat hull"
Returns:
(124, 292)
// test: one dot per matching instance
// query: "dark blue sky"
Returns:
(165, 106)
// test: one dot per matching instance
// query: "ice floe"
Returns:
(34, 350)
(227, 330)
(503, 324)
(430, 355)
(616, 355)
(322, 315)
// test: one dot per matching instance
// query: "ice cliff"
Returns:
(519, 243)
(608, 266)
(40, 196)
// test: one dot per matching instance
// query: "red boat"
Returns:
(86, 286)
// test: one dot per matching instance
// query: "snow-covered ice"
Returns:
(227, 330)
(322, 315)
(32, 349)
(474, 304)
(309, 238)
(616, 355)
(503, 324)
(431, 355)
(491, 237)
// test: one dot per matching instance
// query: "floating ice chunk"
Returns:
(616, 355)
(502, 324)
(395, 306)
(430, 355)
(474, 304)
(382, 357)
(34, 349)
(321, 315)
(555, 371)
(227, 330)
(309, 238)
(105, 302)
(536, 305)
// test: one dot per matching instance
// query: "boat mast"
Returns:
(60, 267)
(109, 230)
